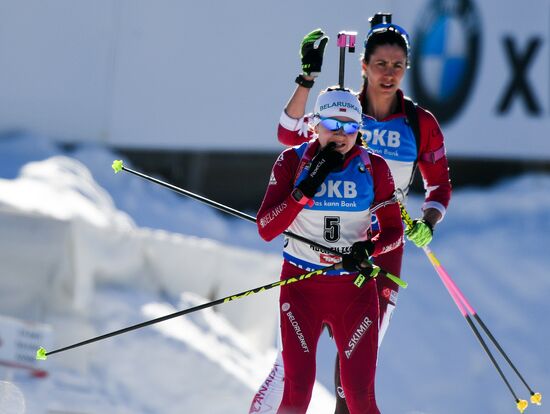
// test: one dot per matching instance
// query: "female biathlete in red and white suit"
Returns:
(323, 190)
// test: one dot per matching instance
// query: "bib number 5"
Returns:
(332, 229)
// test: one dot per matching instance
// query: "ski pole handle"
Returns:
(345, 39)
(405, 216)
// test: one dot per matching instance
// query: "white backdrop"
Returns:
(179, 75)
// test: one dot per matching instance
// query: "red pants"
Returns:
(387, 290)
(387, 297)
(352, 314)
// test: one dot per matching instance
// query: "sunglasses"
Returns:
(332, 124)
(389, 27)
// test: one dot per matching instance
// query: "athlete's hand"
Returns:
(420, 233)
(311, 52)
(322, 164)
(358, 259)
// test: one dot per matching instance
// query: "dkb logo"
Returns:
(338, 189)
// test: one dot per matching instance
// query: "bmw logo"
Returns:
(445, 56)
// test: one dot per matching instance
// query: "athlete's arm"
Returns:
(279, 208)
(293, 126)
(389, 216)
(433, 165)
(293, 131)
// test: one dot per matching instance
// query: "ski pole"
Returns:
(345, 39)
(373, 272)
(42, 354)
(466, 309)
(118, 166)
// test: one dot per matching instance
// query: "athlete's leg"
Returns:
(269, 395)
(387, 289)
(300, 330)
(341, 405)
(356, 336)
(387, 297)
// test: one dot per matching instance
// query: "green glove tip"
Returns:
(41, 354)
(117, 165)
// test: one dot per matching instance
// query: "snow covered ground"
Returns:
(494, 243)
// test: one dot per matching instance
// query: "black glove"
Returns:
(359, 256)
(312, 57)
(321, 165)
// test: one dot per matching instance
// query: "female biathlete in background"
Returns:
(404, 134)
(323, 190)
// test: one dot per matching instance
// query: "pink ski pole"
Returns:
(467, 310)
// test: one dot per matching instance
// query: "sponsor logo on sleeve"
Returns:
(280, 159)
(392, 246)
(268, 218)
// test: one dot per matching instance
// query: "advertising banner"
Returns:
(19, 341)
(483, 70)
(192, 77)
